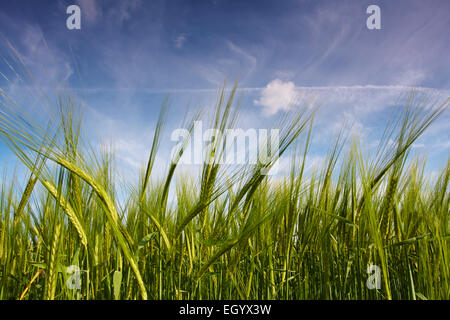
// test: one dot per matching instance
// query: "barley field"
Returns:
(73, 232)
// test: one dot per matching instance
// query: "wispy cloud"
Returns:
(90, 10)
(122, 11)
(251, 60)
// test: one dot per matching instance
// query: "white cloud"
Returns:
(276, 96)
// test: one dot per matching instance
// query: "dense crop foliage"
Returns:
(233, 233)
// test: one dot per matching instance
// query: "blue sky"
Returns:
(129, 54)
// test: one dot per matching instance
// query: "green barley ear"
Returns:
(52, 275)
(386, 209)
(155, 144)
(25, 197)
(74, 219)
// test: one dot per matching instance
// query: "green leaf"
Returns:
(146, 239)
(421, 296)
(117, 282)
